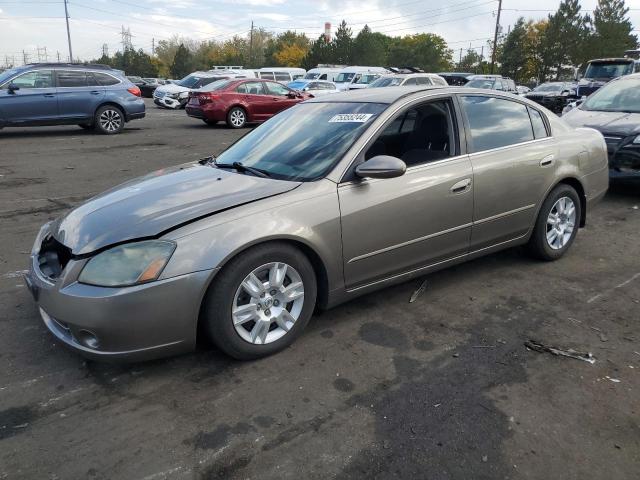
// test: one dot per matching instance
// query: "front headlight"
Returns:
(172, 95)
(183, 95)
(636, 140)
(128, 264)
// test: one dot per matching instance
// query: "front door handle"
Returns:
(95, 92)
(461, 186)
(547, 161)
(49, 95)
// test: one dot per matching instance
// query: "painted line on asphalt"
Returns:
(606, 292)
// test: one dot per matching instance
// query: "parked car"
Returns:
(91, 96)
(313, 87)
(176, 95)
(492, 82)
(553, 95)
(149, 86)
(457, 79)
(349, 76)
(238, 102)
(281, 74)
(322, 73)
(333, 198)
(522, 89)
(614, 110)
(602, 70)
(408, 80)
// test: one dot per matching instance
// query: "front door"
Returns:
(513, 166)
(256, 99)
(34, 102)
(78, 94)
(280, 96)
(391, 226)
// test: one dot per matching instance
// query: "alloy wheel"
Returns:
(561, 222)
(268, 303)
(110, 120)
(237, 118)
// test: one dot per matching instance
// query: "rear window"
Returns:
(539, 128)
(496, 122)
(105, 79)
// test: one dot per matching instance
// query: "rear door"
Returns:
(79, 94)
(36, 100)
(256, 99)
(513, 166)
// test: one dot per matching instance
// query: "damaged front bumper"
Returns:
(624, 156)
(166, 101)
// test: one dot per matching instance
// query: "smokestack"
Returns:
(327, 31)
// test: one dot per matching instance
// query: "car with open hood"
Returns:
(614, 110)
(330, 199)
(598, 72)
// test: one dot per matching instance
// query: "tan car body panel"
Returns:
(374, 232)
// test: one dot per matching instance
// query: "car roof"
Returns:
(390, 95)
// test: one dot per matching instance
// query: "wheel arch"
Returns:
(319, 268)
(113, 104)
(243, 107)
(579, 188)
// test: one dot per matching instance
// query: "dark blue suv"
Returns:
(91, 96)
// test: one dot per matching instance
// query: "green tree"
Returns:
(182, 63)
(320, 52)
(567, 36)
(470, 62)
(513, 61)
(612, 35)
(425, 50)
(370, 48)
(342, 45)
(283, 45)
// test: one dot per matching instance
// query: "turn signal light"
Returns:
(134, 91)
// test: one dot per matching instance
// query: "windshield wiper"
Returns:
(239, 166)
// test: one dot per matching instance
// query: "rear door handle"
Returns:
(548, 160)
(461, 186)
(49, 95)
(95, 92)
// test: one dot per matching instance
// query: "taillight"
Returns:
(134, 91)
(207, 98)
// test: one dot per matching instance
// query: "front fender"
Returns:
(309, 215)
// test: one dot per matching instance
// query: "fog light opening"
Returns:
(88, 339)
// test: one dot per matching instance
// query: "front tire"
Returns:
(109, 120)
(557, 224)
(237, 117)
(261, 301)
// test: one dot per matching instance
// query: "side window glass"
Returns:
(539, 128)
(323, 76)
(35, 79)
(282, 77)
(71, 78)
(496, 122)
(424, 81)
(104, 79)
(420, 135)
(411, 81)
(497, 85)
(251, 88)
(267, 75)
(277, 89)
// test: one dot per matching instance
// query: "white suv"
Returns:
(409, 79)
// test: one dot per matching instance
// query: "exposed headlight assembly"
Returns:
(637, 140)
(128, 264)
(183, 95)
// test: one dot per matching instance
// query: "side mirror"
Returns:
(305, 89)
(12, 87)
(381, 166)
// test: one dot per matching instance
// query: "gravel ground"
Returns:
(442, 388)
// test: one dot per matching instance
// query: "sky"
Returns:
(33, 25)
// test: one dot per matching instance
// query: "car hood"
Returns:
(160, 201)
(607, 122)
(553, 93)
(172, 88)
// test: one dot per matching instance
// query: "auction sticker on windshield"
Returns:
(351, 117)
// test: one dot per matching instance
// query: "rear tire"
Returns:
(237, 117)
(557, 224)
(248, 325)
(109, 120)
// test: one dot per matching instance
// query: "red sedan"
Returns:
(239, 102)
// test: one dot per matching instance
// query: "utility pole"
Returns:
(251, 46)
(66, 17)
(495, 37)
(105, 50)
(58, 55)
(25, 57)
(460, 60)
(481, 58)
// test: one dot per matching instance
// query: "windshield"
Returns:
(7, 74)
(608, 70)
(135, 79)
(304, 142)
(217, 85)
(549, 87)
(386, 82)
(619, 96)
(368, 78)
(312, 76)
(344, 77)
(189, 81)
(481, 83)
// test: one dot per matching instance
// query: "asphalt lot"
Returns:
(442, 388)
